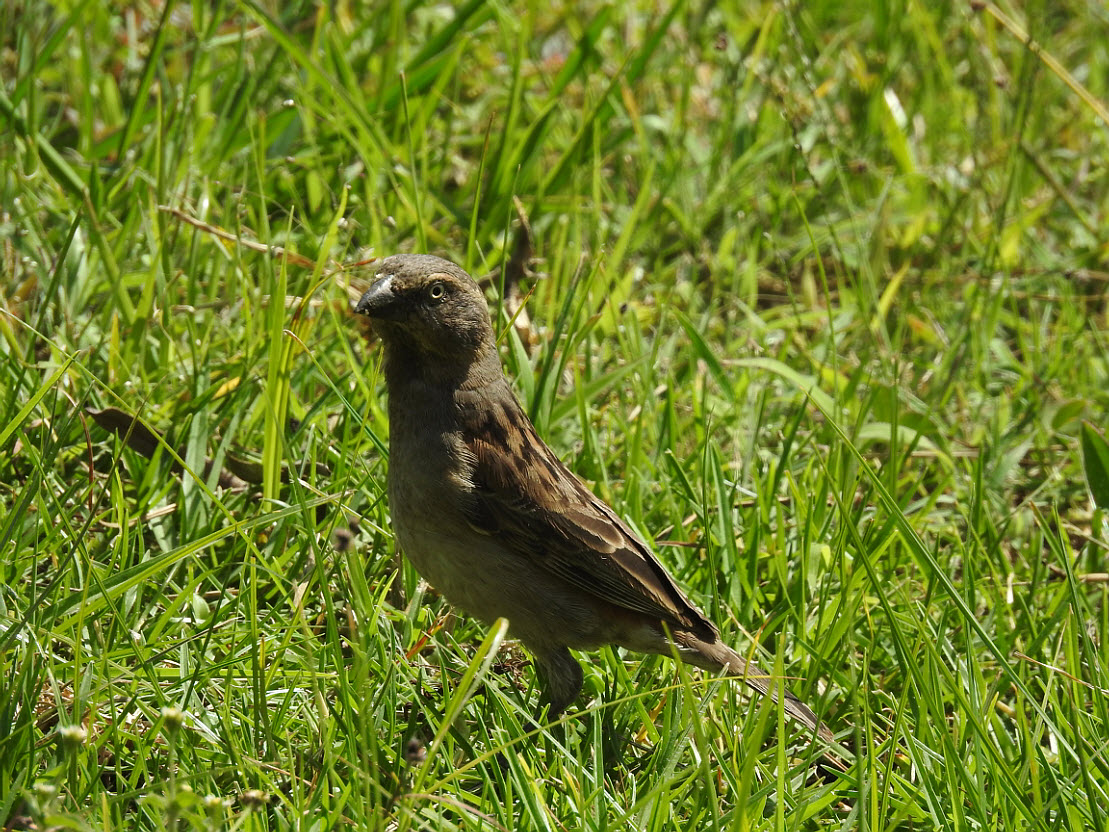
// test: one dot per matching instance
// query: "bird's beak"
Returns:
(378, 300)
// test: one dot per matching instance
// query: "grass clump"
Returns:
(815, 296)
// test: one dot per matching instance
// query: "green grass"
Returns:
(819, 303)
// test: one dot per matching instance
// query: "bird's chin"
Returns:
(388, 330)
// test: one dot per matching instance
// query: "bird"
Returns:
(491, 517)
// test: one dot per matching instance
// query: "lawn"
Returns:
(814, 294)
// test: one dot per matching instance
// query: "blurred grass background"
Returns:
(815, 296)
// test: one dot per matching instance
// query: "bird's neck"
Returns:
(433, 381)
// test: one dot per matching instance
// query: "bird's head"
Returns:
(427, 305)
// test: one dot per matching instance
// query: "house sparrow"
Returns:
(492, 518)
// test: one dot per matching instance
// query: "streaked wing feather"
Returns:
(525, 495)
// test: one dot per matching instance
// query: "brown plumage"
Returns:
(492, 518)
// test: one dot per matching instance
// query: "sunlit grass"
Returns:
(817, 302)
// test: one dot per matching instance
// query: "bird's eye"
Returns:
(436, 291)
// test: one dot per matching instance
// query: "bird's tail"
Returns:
(718, 656)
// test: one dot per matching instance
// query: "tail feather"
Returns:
(718, 656)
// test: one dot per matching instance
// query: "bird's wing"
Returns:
(524, 495)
